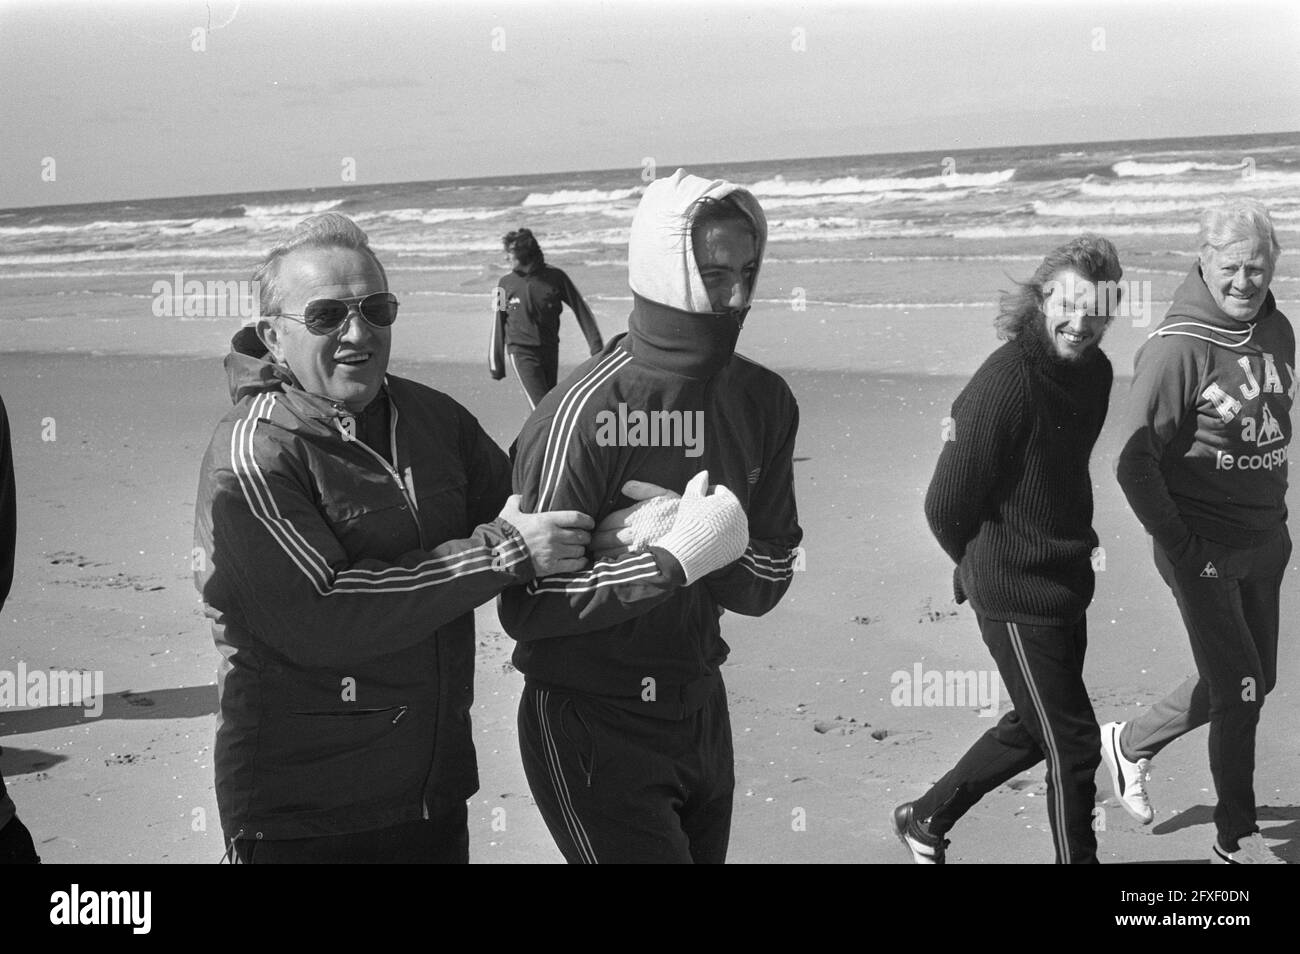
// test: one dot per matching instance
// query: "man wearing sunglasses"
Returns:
(348, 523)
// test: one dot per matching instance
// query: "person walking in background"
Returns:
(527, 320)
(1204, 467)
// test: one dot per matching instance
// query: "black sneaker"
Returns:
(925, 848)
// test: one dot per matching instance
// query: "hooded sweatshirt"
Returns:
(1208, 423)
(661, 403)
(340, 559)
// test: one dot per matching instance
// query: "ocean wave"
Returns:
(406, 267)
(1117, 207)
(814, 224)
(251, 256)
(578, 196)
(1073, 228)
(206, 227)
(291, 208)
(863, 198)
(585, 208)
(871, 259)
(429, 216)
(1263, 181)
(778, 186)
(866, 258)
(606, 237)
(1131, 167)
(103, 225)
(880, 305)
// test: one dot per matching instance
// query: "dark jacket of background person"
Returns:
(528, 313)
(341, 588)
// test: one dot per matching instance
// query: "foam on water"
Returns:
(1130, 167)
(778, 187)
(580, 196)
(868, 233)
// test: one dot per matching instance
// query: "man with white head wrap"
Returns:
(624, 729)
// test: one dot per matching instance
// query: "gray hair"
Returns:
(1238, 220)
(326, 230)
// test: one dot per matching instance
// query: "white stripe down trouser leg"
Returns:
(554, 769)
(1051, 749)
(520, 379)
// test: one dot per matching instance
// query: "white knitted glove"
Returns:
(651, 519)
(709, 531)
(638, 526)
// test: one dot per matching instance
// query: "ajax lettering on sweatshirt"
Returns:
(1208, 422)
(1251, 395)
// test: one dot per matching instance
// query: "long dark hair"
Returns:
(1092, 256)
(523, 244)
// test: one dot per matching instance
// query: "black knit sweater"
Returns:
(1011, 498)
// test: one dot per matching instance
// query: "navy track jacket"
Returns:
(622, 629)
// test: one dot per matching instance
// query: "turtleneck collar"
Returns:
(692, 344)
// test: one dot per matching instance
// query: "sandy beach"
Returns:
(822, 752)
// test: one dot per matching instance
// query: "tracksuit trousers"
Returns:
(616, 786)
(537, 370)
(1230, 606)
(1042, 669)
(440, 839)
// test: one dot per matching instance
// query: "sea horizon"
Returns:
(873, 245)
(729, 163)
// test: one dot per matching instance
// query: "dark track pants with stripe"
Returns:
(1232, 622)
(615, 786)
(537, 370)
(1053, 721)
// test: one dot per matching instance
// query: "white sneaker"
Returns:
(1127, 778)
(1251, 850)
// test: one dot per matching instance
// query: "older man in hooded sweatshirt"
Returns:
(623, 723)
(1204, 467)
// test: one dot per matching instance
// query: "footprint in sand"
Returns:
(842, 726)
(931, 615)
(68, 558)
(1026, 786)
(125, 758)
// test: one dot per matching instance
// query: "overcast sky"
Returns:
(281, 93)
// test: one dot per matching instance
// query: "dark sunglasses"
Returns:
(323, 316)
